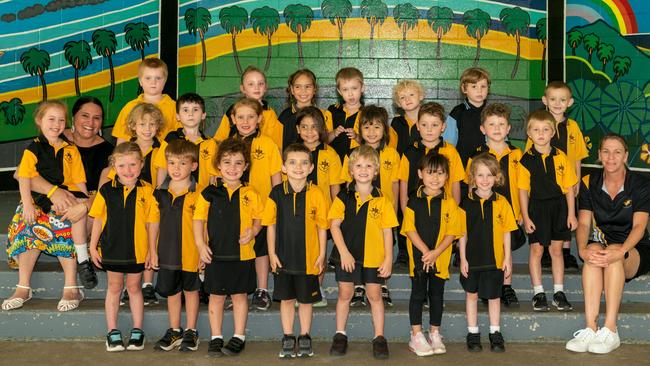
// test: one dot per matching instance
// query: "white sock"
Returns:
(216, 337)
(82, 252)
(342, 332)
(240, 336)
(145, 284)
(558, 287)
(494, 329)
(177, 329)
(472, 330)
(538, 289)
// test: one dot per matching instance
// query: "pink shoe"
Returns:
(419, 345)
(435, 340)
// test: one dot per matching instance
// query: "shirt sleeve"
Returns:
(275, 159)
(389, 218)
(404, 167)
(523, 177)
(160, 161)
(120, 129)
(408, 222)
(581, 150)
(640, 196)
(509, 223)
(462, 222)
(270, 212)
(469, 163)
(223, 130)
(584, 198)
(77, 167)
(394, 176)
(152, 210)
(212, 148)
(335, 171)
(27, 167)
(456, 226)
(98, 208)
(202, 208)
(456, 170)
(569, 178)
(450, 134)
(345, 170)
(257, 212)
(321, 211)
(393, 138)
(329, 124)
(337, 211)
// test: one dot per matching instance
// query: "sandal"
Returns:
(17, 302)
(67, 305)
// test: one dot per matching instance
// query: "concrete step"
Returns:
(38, 319)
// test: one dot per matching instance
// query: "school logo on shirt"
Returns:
(627, 203)
(572, 139)
(387, 164)
(245, 200)
(205, 154)
(446, 217)
(68, 157)
(258, 154)
(560, 169)
(312, 213)
(515, 162)
(141, 201)
(500, 219)
(192, 208)
(375, 213)
(324, 166)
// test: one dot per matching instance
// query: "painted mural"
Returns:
(607, 63)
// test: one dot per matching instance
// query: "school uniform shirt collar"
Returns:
(181, 135)
(288, 188)
(43, 140)
(441, 143)
(475, 197)
(168, 179)
(534, 152)
(626, 182)
(421, 194)
(155, 144)
(374, 193)
(469, 106)
(117, 184)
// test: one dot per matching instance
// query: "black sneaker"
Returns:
(114, 341)
(560, 302)
(169, 341)
(570, 262)
(385, 295)
(304, 346)
(288, 347)
(149, 295)
(190, 341)
(261, 299)
(402, 260)
(124, 299)
(331, 264)
(546, 259)
(215, 347)
(87, 275)
(509, 297)
(474, 342)
(380, 348)
(136, 340)
(339, 345)
(359, 297)
(234, 347)
(540, 303)
(497, 344)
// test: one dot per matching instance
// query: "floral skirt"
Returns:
(48, 233)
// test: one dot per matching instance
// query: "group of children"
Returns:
(267, 192)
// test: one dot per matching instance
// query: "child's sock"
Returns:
(473, 330)
(558, 287)
(240, 336)
(177, 329)
(494, 329)
(82, 252)
(342, 332)
(145, 284)
(216, 337)
(537, 289)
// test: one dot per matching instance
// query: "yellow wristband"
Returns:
(52, 190)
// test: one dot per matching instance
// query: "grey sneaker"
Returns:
(288, 347)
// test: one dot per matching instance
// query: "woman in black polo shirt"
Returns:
(614, 202)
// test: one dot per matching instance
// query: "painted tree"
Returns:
(605, 53)
(36, 62)
(105, 44)
(265, 21)
(137, 36)
(574, 38)
(540, 32)
(477, 24)
(590, 43)
(337, 11)
(14, 111)
(406, 16)
(516, 22)
(621, 66)
(440, 19)
(375, 12)
(197, 21)
(77, 53)
(298, 18)
(233, 20)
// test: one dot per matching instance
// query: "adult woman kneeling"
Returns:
(616, 201)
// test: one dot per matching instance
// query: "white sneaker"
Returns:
(419, 345)
(436, 343)
(605, 341)
(582, 340)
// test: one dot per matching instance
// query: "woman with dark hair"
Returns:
(615, 202)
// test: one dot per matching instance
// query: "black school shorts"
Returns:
(360, 276)
(170, 282)
(487, 283)
(230, 277)
(549, 217)
(261, 247)
(123, 268)
(302, 287)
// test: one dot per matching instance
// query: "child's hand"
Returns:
(529, 226)
(385, 269)
(153, 262)
(429, 257)
(201, 266)
(29, 213)
(507, 267)
(347, 262)
(320, 264)
(464, 267)
(275, 263)
(246, 236)
(427, 266)
(76, 212)
(351, 133)
(572, 222)
(576, 189)
(94, 255)
(339, 130)
(205, 254)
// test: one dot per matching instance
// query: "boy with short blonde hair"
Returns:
(408, 96)
(345, 117)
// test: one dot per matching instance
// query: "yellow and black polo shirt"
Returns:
(149, 172)
(166, 105)
(176, 246)
(265, 162)
(389, 160)
(327, 170)
(403, 133)
(125, 213)
(569, 139)
(433, 218)
(486, 221)
(408, 167)
(229, 213)
(545, 176)
(363, 225)
(508, 162)
(297, 217)
(287, 119)
(340, 117)
(270, 126)
(207, 151)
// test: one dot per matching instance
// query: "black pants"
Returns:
(423, 286)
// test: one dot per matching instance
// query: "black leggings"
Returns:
(422, 286)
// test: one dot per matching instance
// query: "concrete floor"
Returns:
(265, 353)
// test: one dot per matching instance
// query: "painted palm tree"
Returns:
(574, 38)
(590, 43)
(337, 11)
(516, 22)
(440, 19)
(265, 21)
(406, 16)
(605, 53)
(197, 21)
(298, 17)
(105, 44)
(77, 53)
(233, 20)
(375, 12)
(14, 111)
(540, 33)
(477, 24)
(137, 36)
(621, 65)
(36, 62)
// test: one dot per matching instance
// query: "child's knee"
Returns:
(472, 296)
(555, 250)
(536, 250)
(346, 292)
(133, 288)
(114, 287)
(373, 294)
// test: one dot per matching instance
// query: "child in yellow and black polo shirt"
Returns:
(361, 225)
(485, 255)
(545, 180)
(345, 116)
(175, 256)
(125, 224)
(296, 216)
(233, 213)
